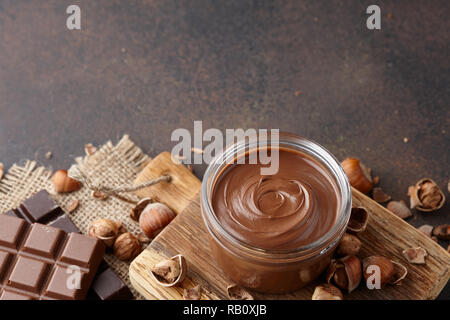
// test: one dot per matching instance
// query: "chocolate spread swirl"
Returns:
(292, 208)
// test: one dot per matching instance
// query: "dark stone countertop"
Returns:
(310, 67)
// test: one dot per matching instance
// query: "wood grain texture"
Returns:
(386, 235)
(177, 193)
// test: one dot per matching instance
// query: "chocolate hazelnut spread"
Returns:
(292, 208)
(275, 233)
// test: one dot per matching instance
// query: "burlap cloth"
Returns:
(112, 165)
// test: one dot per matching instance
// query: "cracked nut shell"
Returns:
(358, 175)
(345, 273)
(426, 196)
(236, 292)
(442, 232)
(359, 217)
(327, 292)
(399, 208)
(170, 272)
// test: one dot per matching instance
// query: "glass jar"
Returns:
(274, 271)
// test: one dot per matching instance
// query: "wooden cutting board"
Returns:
(385, 235)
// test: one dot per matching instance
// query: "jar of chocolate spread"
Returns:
(275, 233)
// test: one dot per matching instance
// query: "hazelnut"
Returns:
(170, 272)
(327, 292)
(426, 195)
(126, 247)
(345, 273)
(235, 292)
(194, 293)
(385, 266)
(154, 218)
(104, 229)
(358, 175)
(349, 245)
(415, 255)
(379, 195)
(442, 232)
(399, 208)
(359, 217)
(62, 183)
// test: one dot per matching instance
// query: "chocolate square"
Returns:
(82, 251)
(64, 223)
(43, 240)
(108, 286)
(40, 207)
(66, 284)
(4, 263)
(10, 295)
(11, 231)
(28, 274)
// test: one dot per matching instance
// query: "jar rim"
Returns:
(286, 141)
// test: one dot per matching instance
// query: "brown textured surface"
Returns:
(148, 67)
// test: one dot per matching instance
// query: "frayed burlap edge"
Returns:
(110, 165)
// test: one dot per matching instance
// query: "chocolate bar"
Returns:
(41, 208)
(42, 262)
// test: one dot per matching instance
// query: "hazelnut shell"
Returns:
(327, 292)
(442, 232)
(358, 175)
(399, 208)
(379, 195)
(140, 206)
(415, 255)
(426, 196)
(236, 292)
(426, 229)
(182, 264)
(194, 293)
(400, 273)
(345, 273)
(359, 217)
